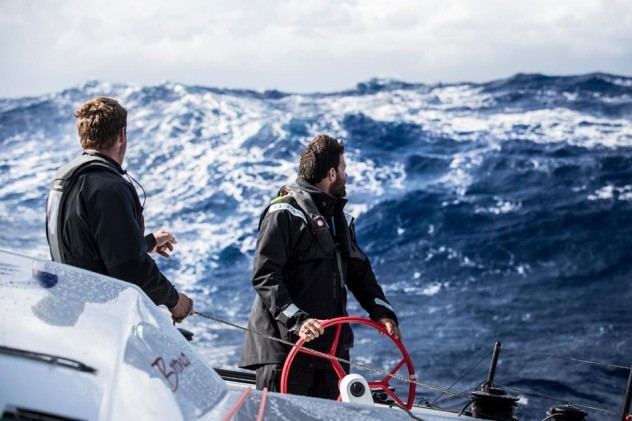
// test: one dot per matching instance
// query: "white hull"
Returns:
(120, 357)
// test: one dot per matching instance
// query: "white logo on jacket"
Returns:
(289, 208)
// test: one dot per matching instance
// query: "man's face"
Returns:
(337, 188)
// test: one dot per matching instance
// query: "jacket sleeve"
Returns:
(122, 245)
(150, 242)
(363, 284)
(278, 234)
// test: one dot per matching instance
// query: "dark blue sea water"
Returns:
(499, 211)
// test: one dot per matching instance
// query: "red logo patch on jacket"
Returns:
(319, 223)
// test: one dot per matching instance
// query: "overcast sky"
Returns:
(305, 45)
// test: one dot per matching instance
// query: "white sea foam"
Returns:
(194, 149)
(501, 207)
(611, 192)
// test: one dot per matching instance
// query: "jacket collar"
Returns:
(326, 203)
(107, 158)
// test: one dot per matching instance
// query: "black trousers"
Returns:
(321, 382)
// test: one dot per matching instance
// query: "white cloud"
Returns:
(305, 45)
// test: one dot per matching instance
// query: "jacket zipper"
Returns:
(338, 273)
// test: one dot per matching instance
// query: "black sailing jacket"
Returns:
(103, 232)
(296, 274)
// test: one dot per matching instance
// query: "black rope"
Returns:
(133, 180)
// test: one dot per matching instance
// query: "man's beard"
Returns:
(338, 189)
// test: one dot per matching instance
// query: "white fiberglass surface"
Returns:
(142, 364)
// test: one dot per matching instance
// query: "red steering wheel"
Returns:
(378, 384)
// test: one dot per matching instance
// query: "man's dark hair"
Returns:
(99, 121)
(319, 156)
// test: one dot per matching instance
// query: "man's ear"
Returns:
(332, 173)
(120, 137)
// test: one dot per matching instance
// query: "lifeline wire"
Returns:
(331, 357)
(463, 376)
(566, 358)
